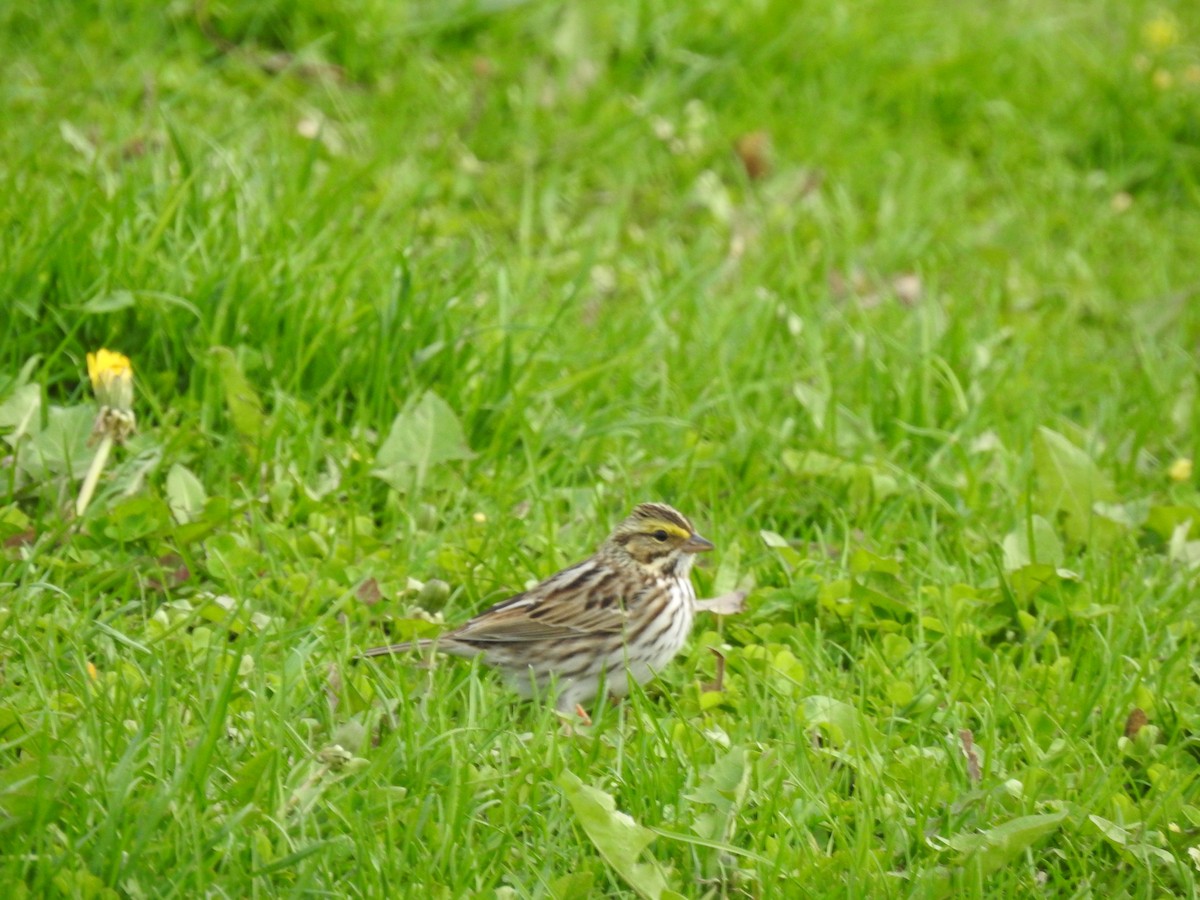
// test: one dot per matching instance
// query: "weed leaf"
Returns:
(617, 836)
(420, 438)
(185, 494)
(1069, 482)
(996, 847)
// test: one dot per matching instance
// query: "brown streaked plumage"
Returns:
(624, 611)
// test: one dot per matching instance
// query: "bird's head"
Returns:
(659, 538)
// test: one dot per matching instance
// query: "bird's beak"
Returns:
(697, 544)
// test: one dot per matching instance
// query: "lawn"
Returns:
(899, 302)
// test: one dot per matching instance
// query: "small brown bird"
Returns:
(617, 617)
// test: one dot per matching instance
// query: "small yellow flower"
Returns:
(111, 374)
(1161, 33)
(91, 670)
(1181, 469)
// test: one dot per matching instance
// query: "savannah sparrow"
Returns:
(628, 607)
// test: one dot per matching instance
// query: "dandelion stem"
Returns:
(93, 474)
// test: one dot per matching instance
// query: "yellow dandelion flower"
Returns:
(1180, 470)
(111, 375)
(1161, 33)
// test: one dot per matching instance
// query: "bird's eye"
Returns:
(660, 535)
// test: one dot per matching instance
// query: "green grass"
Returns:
(923, 383)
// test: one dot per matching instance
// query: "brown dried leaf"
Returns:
(20, 539)
(754, 150)
(483, 68)
(368, 592)
(138, 146)
(968, 748)
(174, 571)
(1136, 722)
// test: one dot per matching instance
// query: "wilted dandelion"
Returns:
(111, 375)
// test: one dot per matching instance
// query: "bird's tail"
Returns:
(391, 649)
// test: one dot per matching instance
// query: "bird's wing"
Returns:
(584, 599)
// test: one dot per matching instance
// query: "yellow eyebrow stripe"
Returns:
(653, 525)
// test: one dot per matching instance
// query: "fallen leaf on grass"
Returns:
(753, 149)
(968, 748)
(368, 592)
(20, 539)
(726, 605)
(175, 571)
(1136, 722)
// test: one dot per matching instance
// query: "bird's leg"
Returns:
(570, 718)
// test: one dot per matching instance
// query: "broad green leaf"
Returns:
(13, 521)
(62, 446)
(865, 481)
(572, 886)
(788, 555)
(1132, 515)
(879, 600)
(1034, 542)
(10, 723)
(814, 464)
(723, 788)
(815, 401)
(253, 775)
(106, 303)
(996, 847)
(140, 457)
(1163, 520)
(1068, 482)
(863, 560)
(1131, 842)
(1180, 549)
(422, 437)
(185, 494)
(839, 721)
(19, 411)
(230, 558)
(242, 402)
(1028, 580)
(135, 518)
(617, 836)
(729, 574)
(774, 540)
(215, 515)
